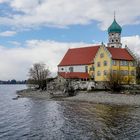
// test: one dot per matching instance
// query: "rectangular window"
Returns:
(93, 68)
(86, 68)
(126, 63)
(114, 62)
(105, 63)
(71, 69)
(105, 72)
(122, 63)
(98, 73)
(98, 64)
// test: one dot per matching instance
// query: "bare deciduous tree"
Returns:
(138, 70)
(114, 81)
(38, 75)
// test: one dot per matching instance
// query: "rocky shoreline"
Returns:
(101, 97)
(31, 93)
(106, 98)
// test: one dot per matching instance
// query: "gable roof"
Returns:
(74, 75)
(120, 54)
(79, 56)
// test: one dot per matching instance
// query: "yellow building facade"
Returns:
(104, 65)
(113, 59)
(127, 70)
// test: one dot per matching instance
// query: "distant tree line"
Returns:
(13, 81)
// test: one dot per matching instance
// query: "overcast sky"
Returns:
(42, 30)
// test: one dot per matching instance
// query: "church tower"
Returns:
(114, 35)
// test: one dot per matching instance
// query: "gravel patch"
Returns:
(34, 94)
(91, 97)
(106, 98)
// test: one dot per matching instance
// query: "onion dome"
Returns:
(114, 27)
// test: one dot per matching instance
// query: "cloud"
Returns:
(63, 13)
(15, 62)
(133, 43)
(7, 33)
(15, 43)
(2, 1)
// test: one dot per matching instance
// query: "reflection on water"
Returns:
(33, 119)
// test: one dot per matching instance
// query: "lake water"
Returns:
(34, 119)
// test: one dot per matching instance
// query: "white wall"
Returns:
(77, 68)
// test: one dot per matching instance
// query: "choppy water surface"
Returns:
(32, 119)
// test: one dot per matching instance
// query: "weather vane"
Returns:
(114, 14)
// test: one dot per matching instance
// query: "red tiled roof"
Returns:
(74, 75)
(120, 54)
(79, 56)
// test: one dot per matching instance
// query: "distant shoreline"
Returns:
(13, 84)
(101, 97)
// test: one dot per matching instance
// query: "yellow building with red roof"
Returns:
(115, 61)
(97, 62)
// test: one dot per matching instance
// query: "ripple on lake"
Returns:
(51, 120)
